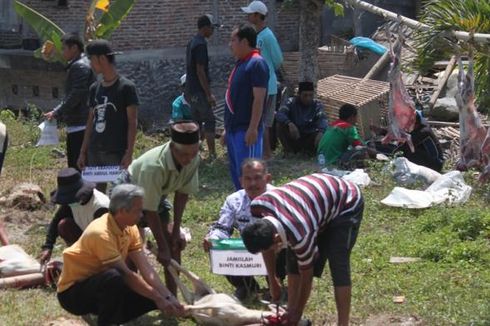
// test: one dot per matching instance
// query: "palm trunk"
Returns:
(309, 39)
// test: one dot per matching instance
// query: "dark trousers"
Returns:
(2, 154)
(305, 143)
(74, 142)
(107, 296)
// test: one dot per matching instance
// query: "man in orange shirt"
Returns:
(96, 279)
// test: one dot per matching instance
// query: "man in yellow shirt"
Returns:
(96, 278)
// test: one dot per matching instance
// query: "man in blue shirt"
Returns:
(245, 100)
(271, 51)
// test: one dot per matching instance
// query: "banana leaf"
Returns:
(111, 19)
(46, 29)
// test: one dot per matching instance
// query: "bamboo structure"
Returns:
(460, 35)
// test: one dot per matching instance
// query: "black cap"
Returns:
(207, 20)
(71, 187)
(305, 86)
(100, 47)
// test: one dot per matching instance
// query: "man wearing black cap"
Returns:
(166, 169)
(80, 203)
(301, 122)
(197, 88)
(113, 118)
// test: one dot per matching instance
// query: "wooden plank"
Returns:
(440, 86)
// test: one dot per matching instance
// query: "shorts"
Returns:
(104, 158)
(269, 111)
(202, 112)
(335, 245)
(163, 208)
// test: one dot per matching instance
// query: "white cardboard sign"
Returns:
(237, 262)
(101, 173)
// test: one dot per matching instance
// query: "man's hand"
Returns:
(251, 136)
(293, 131)
(82, 159)
(45, 256)
(170, 306)
(206, 244)
(211, 100)
(126, 160)
(49, 115)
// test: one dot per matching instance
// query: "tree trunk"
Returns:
(309, 38)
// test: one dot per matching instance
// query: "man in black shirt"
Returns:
(197, 88)
(73, 109)
(113, 118)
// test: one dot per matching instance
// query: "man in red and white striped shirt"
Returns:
(317, 217)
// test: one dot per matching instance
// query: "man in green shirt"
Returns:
(341, 144)
(165, 169)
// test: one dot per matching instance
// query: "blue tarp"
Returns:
(367, 43)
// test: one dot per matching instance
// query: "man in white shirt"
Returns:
(235, 214)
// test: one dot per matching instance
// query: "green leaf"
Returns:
(43, 26)
(338, 9)
(111, 19)
(46, 29)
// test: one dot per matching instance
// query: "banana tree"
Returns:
(446, 16)
(102, 19)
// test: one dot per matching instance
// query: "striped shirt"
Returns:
(305, 207)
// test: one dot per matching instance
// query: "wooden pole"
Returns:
(460, 35)
(445, 77)
(382, 61)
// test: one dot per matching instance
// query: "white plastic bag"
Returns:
(406, 172)
(49, 133)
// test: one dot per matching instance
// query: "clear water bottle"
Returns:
(321, 161)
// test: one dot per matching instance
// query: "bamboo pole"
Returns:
(385, 58)
(447, 73)
(460, 35)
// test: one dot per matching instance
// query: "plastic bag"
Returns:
(407, 173)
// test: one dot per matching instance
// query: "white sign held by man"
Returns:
(229, 257)
(101, 173)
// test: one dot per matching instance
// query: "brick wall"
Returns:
(170, 23)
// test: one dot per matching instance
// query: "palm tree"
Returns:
(434, 44)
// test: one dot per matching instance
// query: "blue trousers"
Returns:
(238, 151)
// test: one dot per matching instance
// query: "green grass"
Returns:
(450, 286)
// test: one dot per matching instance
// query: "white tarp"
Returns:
(358, 176)
(449, 188)
(406, 172)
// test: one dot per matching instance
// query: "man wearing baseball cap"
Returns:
(113, 117)
(271, 51)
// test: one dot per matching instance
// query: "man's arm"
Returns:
(82, 158)
(180, 201)
(78, 81)
(257, 108)
(276, 54)
(156, 228)
(223, 228)
(166, 304)
(132, 113)
(320, 119)
(203, 80)
(270, 264)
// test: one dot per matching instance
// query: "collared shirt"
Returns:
(271, 51)
(248, 73)
(234, 214)
(155, 171)
(308, 119)
(305, 207)
(101, 244)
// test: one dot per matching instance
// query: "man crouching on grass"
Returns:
(96, 279)
(317, 217)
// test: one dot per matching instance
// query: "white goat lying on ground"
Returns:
(210, 308)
